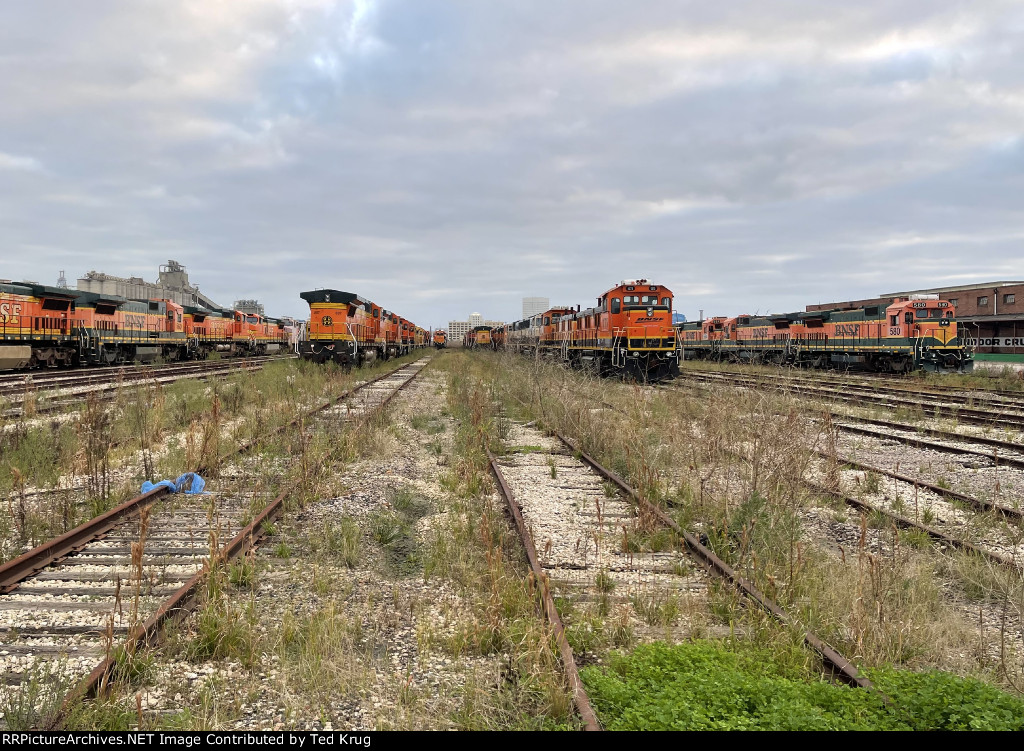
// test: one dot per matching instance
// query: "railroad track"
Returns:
(13, 384)
(994, 451)
(951, 524)
(55, 400)
(575, 519)
(975, 452)
(935, 408)
(872, 383)
(81, 602)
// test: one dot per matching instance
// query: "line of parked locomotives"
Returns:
(629, 332)
(43, 326)
(350, 330)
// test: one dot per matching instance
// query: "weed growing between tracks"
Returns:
(727, 467)
(148, 431)
(226, 626)
(385, 600)
(474, 548)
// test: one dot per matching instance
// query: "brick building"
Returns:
(990, 314)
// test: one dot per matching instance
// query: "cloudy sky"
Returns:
(448, 156)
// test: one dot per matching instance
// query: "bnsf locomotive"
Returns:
(480, 336)
(629, 332)
(440, 339)
(350, 330)
(918, 332)
(43, 326)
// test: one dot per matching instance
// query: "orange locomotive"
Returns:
(350, 330)
(45, 326)
(532, 335)
(629, 332)
(918, 332)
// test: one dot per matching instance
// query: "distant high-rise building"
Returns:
(534, 305)
(457, 330)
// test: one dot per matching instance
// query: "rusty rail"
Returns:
(1010, 461)
(978, 503)
(579, 693)
(28, 564)
(839, 664)
(906, 523)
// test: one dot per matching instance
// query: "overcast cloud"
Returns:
(442, 157)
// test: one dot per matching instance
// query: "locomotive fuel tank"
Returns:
(15, 356)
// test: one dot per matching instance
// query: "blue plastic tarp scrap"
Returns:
(189, 483)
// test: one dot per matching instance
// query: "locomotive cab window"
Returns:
(908, 317)
(616, 305)
(667, 302)
(630, 300)
(649, 300)
(894, 320)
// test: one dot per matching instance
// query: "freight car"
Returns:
(912, 333)
(628, 333)
(45, 326)
(351, 330)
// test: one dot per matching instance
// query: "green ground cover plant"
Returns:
(707, 685)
